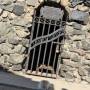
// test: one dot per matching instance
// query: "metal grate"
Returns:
(44, 49)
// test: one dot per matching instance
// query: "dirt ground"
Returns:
(58, 83)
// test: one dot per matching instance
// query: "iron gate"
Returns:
(44, 49)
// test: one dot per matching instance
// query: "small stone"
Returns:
(65, 55)
(81, 71)
(75, 57)
(21, 22)
(79, 16)
(17, 67)
(16, 58)
(87, 3)
(78, 32)
(71, 63)
(5, 49)
(2, 40)
(79, 51)
(82, 8)
(85, 45)
(69, 30)
(77, 26)
(19, 49)
(21, 33)
(18, 10)
(11, 16)
(5, 28)
(6, 2)
(32, 2)
(87, 56)
(13, 38)
(86, 78)
(25, 42)
(75, 2)
(69, 77)
(5, 14)
(8, 8)
(78, 37)
(20, 0)
(86, 62)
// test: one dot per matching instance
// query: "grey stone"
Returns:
(13, 38)
(69, 77)
(16, 58)
(18, 10)
(85, 45)
(81, 71)
(77, 26)
(79, 16)
(88, 70)
(6, 2)
(32, 2)
(75, 2)
(25, 42)
(87, 3)
(75, 57)
(65, 55)
(7, 7)
(50, 13)
(17, 67)
(20, 22)
(5, 28)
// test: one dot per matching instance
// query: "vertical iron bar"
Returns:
(28, 55)
(40, 46)
(58, 62)
(35, 48)
(45, 49)
(50, 51)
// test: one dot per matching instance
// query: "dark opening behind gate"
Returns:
(46, 35)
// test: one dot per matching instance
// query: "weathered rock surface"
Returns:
(79, 16)
(16, 58)
(18, 10)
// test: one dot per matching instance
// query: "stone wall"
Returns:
(16, 17)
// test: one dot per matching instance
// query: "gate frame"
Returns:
(58, 43)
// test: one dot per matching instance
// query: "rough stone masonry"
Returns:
(16, 17)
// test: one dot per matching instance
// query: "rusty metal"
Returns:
(44, 47)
